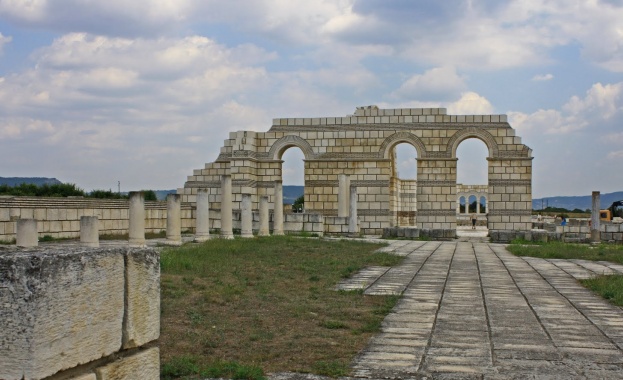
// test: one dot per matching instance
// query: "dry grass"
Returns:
(268, 303)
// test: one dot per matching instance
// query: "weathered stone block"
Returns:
(144, 365)
(142, 319)
(66, 308)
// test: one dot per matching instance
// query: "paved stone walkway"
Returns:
(473, 310)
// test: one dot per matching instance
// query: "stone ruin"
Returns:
(359, 151)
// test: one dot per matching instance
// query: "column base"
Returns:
(172, 242)
(201, 239)
(227, 236)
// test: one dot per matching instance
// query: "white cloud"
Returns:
(441, 83)
(470, 103)
(596, 110)
(112, 17)
(616, 155)
(4, 40)
(541, 78)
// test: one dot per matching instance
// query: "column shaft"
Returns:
(202, 223)
(174, 219)
(264, 229)
(278, 210)
(226, 208)
(246, 230)
(89, 231)
(136, 233)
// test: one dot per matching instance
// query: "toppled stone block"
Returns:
(144, 365)
(64, 307)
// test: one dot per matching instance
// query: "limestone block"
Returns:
(142, 321)
(144, 365)
(66, 308)
(4, 215)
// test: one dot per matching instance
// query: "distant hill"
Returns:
(162, 194)
(582, 202)
(39, 181)
(290, 193)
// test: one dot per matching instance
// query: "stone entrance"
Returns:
(358, 151)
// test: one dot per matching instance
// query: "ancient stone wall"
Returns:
(362, 147)
(76, 313)
(60, 217)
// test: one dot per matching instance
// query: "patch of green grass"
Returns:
(333, 368)
(178, 367)
(7, 242)
(559, 250)
(609, 287)
(269, 302)
(188, 367)
(334, 325)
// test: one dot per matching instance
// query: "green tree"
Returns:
(149, 195)
(106, 194)
(32, 190)
(299, 204)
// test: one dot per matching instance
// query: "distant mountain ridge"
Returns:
(39, 181)
(581, 202)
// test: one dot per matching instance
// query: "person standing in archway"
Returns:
(473, 221)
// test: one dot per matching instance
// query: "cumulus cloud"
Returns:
(112, 17)
(595, 110)
(541, 78)
(470, 103)
(441, 83)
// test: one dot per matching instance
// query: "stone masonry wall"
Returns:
(362, 146)
(79, 313)
(60, 217)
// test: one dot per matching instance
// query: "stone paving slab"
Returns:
(473, 310)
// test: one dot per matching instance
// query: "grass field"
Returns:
(559, 250)
(240, 308)
(609, 287)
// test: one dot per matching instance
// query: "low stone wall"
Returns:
(574, 233)
(60, 217)
(76, 313)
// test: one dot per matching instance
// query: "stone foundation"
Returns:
(79, 313)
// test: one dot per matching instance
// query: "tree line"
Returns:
(64, 190)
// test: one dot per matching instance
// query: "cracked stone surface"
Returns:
(472, 310)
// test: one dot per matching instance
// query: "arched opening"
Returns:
(293, 179)
(472, 176)
(462, 209)
(403, 184)
(472, 204)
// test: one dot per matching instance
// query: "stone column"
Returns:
(174, 219)
(89, 231)
(226, 211)
(595, 232)
(26, 233)
(342, 195)
(137, 219)
(278, 210)
(353, 226)
(264, 229)
(246, 230)
(202, 223)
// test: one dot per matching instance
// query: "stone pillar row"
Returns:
(27, 233)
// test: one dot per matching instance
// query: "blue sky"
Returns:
(143, 92)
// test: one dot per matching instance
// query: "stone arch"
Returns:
(402, 137)
(472, 132)
(281, 145)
